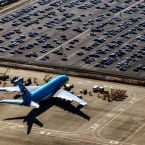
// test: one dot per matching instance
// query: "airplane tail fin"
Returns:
(26, 95)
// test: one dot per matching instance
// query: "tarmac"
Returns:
(58, 122)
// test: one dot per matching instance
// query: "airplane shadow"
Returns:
(31, 119)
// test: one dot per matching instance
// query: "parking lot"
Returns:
(98, 35)
(7, 2)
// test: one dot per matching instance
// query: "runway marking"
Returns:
(2, 128)
(71, 133)
(62, 45)
(12, 127)
(129, 7)
(100, 137)
(121, 109)
(42, 132)
(48, 133)
(91, 128)
(107, 140)
(17, 126)
(114, 142)
(135, 132)
(78, 132)
(95, 126)
(110, 115)
(69, 138)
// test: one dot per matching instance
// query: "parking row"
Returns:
(101, 35)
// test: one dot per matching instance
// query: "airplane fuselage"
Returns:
(49, 89)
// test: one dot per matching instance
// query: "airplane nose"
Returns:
(66, 77)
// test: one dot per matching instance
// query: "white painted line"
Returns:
(114, 109)
(48, 133)
(132, 102)
(21, 126)
(16, 126)
(70, 138)
(135, 99)
(75, 132)
(12, 127)
(63, 44)
(110, 115)
(107, 140)
(102, 139)
(104, 121)
(7, 125)
(29, 3)
(114, 142)
(46, 129)
(42, 132)
(121, 109)
(129, 7)
(96, 125)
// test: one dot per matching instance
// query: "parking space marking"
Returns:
(62, 44)
(29, 2)
(128, 7)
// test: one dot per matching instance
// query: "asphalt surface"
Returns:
(76, 54)
(57, 122)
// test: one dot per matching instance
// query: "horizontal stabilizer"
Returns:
(17, 89)
(9, 89)
(19, 102)
(15, 102)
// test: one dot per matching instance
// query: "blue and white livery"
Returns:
(32, 95)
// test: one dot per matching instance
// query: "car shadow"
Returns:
(31, 117)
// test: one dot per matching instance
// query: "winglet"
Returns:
(26, 95)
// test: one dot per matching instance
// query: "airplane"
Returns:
(32, 95)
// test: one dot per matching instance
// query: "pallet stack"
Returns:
(118, 94)
(110, 94)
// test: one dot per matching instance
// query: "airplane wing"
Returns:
(16, 89)
(69, 96)
(19, 102)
